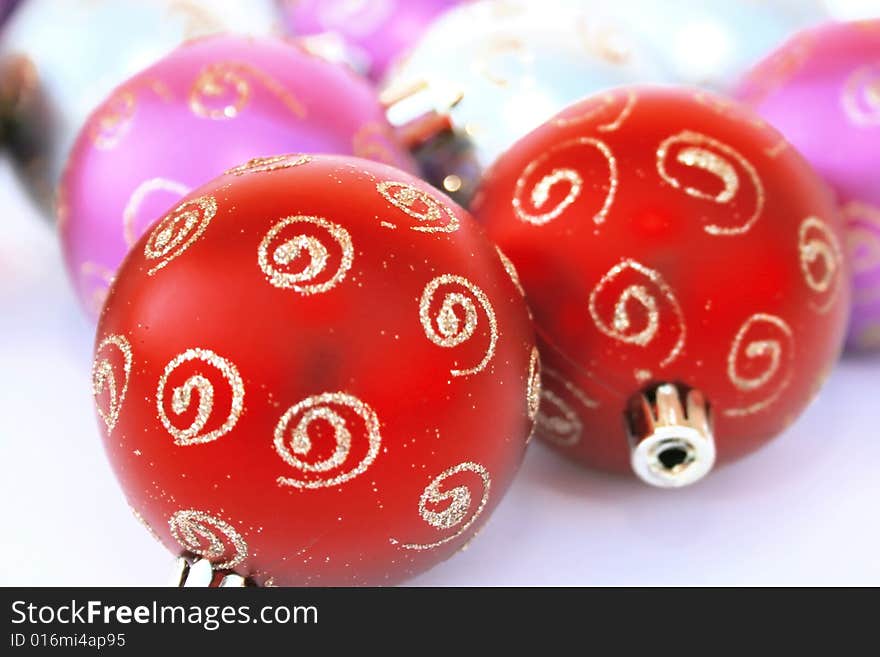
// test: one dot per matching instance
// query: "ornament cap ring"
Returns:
(671, 439)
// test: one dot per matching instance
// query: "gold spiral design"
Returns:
(178, 230)
(620, 327)
(105, 377)
(533, 385)
(279, 249)
(199, 383)
(861, 96)
(231, 83)
(209, 537)
(818, 243)
(732, 110)
(271, 163)
(511, 270)
(498, 47)
(698, 151)
(557, 421)
(450, 331)
(112, 120)
(863, 246)
(539, 193)
(433, 216)
(606, 106)
(298, 420)
(776, 352)
(141, 192)
(458, 514)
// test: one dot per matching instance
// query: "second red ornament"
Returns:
(684, 266)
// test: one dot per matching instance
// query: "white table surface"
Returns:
(802, 511)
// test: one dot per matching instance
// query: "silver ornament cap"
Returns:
(670, 433)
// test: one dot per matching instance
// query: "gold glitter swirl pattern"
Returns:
(106, 376)
(271, 163)
(780, 67)
(303, 418)
(141, 192)
(99, 279)
(419, 205)
(861, 96)
(647, 294)
(603, 41)
(697, 151)
(500, 48)
(209, 537)
(283, 247)
(539, 192)
(729, 109)
(863, 245)
(602, 106)
(458, 513)
(112, 120)
(222, 90)
(450, 330)
(511, 270)
(181, 397)
(533, 386)
(557, 420)
(766, 357)
(821, 260)
(178, 230)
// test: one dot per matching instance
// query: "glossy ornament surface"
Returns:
(206, 107)
(712, 42)
(369, 34)
(497, 69)
(835, 72)
(314, 387)
(670, 237)
(59, 60)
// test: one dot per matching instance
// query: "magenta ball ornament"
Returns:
(207, 107)
(821, 89)
(369, 34)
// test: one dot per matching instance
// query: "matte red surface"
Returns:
(719, 281)
(362, 337)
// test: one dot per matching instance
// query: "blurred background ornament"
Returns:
(6, 7)
(206, 107)
(711, 43)
(58, 60)
(315, 371)
(686, 272)
(493, 70)
(821, 89)
(367, 34)
(847, 10)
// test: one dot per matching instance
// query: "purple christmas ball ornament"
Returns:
(208, 107)
(821, 89)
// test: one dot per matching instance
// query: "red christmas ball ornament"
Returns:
(684, 267)
(315, 370)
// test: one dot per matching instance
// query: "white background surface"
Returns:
(802, 511)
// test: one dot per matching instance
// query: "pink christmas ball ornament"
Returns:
(821, 89)
(370, 34)
(208, 107)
